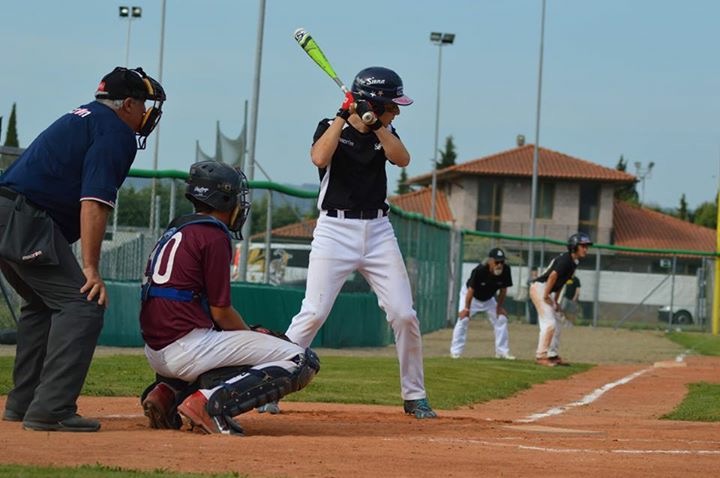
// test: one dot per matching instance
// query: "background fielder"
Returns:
(478, 294)
(545, 291)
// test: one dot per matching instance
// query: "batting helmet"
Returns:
(577, 239)
(222, 188)
(379, 84)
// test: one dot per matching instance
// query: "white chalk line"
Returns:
(592, 396)
(566, 450)
(586, 400)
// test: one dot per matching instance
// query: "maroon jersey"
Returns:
(197, 258)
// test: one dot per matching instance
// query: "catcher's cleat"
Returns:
(159, 407)
(545, 362)
(420, 408)
(505, 357)
(194, 408)
(273, 408)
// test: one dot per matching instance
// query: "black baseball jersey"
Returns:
(485, 284)
(572, 284)
(565, 267)
(355, 178)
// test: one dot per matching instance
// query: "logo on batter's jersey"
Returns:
(378, 146)
(347, 142)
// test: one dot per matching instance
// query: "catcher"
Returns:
(207, 359)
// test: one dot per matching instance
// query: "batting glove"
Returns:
(367, 115)
(344, 111)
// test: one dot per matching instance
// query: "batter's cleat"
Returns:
(558, 361)
(159, 407)
(420, 408)
(455, 356)
(545, 362)
(273, 408)
(12, 416)
(505, 356)
(194, 408)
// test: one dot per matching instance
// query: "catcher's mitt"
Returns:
(266, 331)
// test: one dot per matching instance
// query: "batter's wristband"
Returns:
(344, 114)
(376, 125)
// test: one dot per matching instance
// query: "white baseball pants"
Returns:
(550, 323)
(341, 246)
(499, 323)
(207, 349)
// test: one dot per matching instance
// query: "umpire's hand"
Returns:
(94, 286)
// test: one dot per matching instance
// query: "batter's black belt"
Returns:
(357, 214)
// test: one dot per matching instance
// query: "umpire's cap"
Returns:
(124, 83)
(497, 254)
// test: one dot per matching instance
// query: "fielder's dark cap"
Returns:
(124, 83)
(497, 254)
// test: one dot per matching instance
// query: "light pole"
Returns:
(643, 173)
(536, 158)
(439, 39)
(129, 13)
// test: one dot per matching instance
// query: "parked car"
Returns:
(680, 316)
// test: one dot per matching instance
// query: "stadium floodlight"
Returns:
(129, 13)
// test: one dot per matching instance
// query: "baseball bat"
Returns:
(310, 46)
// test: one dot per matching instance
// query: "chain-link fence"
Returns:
(618, 286)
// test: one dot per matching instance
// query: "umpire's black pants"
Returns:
(57, 332)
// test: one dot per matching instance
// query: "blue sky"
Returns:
(639, 78)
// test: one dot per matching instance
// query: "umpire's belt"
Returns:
(357, 214)
(8, 193)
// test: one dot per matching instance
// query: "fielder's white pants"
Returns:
(207, 349)
(342, 246)
(549, 320)
(499, 323)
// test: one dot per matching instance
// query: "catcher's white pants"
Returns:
(207, 349)
(342, 246)
(549, 320)
(499, 323)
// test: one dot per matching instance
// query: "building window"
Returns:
(489, 205)
(589, 209)
(546, 200)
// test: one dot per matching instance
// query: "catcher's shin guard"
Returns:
(260, 386)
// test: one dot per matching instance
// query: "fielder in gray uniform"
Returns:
(480, 294)
(353, 232)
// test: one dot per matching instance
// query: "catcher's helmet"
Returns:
(576, 239)
(379, 84)
(222, 188)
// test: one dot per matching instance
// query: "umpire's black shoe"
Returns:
(12, 416)
(75, 423)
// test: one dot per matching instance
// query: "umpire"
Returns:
(61, 189)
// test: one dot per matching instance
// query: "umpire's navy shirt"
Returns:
(84, 155)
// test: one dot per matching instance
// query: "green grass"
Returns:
(367, 380)
(704, 344)
(702, 404)
(20, 471)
